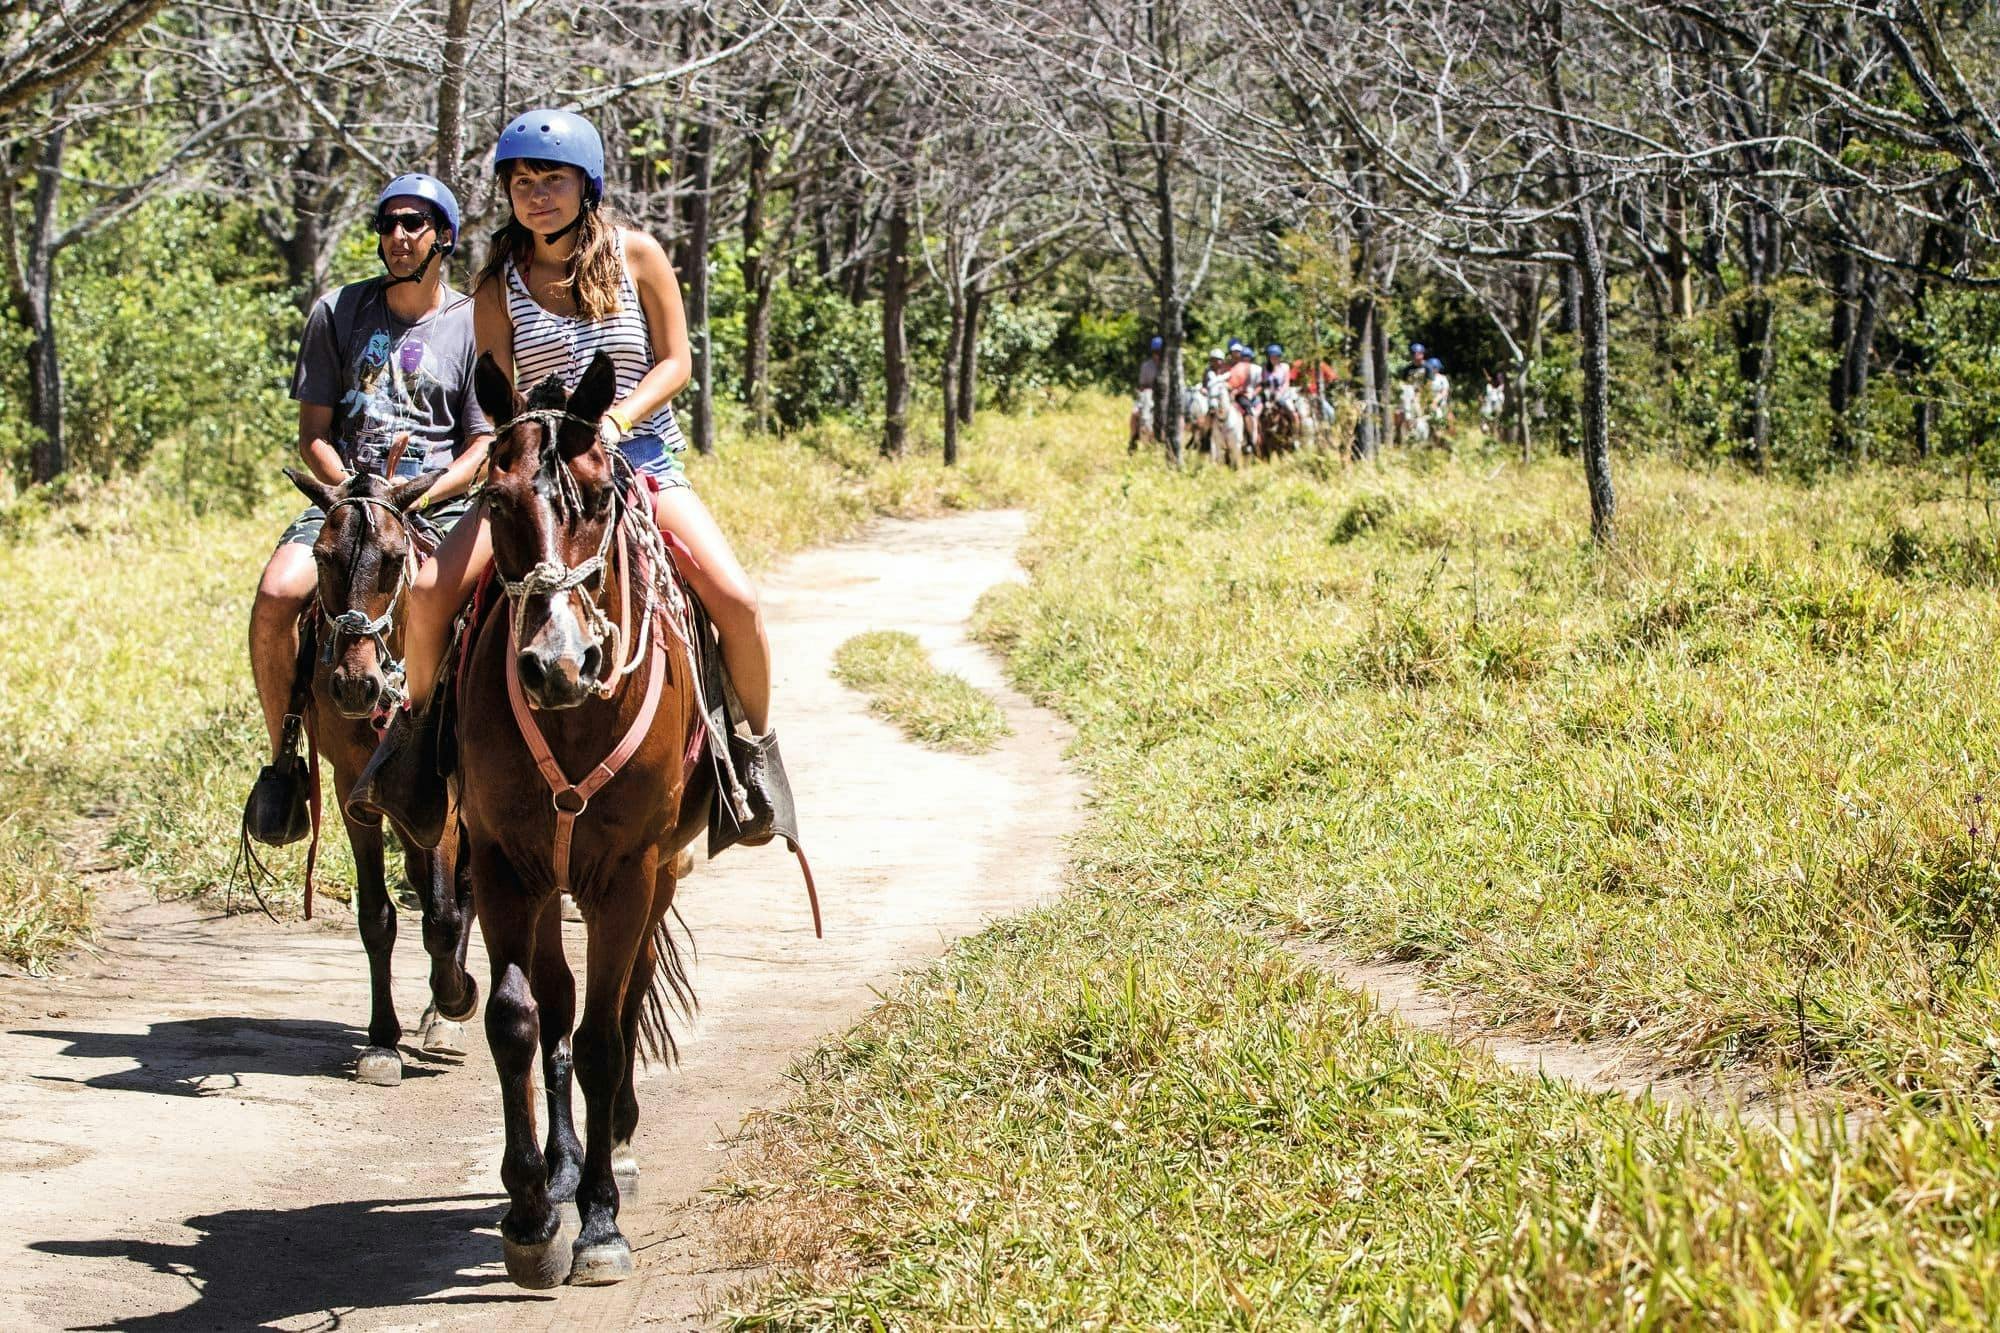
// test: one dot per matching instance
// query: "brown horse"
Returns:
(568, 681)
(366, 553)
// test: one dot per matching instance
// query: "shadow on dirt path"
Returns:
(182, 1143)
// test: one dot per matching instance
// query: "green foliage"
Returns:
(175, 338)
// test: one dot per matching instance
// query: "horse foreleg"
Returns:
(555, 994)
(617, 926)
(454, 994)
(380, 1063)
(536, 1242)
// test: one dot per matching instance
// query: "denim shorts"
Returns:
(650, 457)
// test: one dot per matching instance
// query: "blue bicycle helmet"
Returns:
(1434, 366)
(1274, 349)
(550, 135)
(1157, 344)
(416, 185)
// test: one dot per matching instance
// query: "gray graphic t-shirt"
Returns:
(382, 376)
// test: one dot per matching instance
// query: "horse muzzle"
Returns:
(360, 694)
(561, 678)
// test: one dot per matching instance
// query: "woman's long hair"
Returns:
(594, 266)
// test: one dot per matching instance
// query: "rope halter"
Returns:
(551, 578)
(356, 623)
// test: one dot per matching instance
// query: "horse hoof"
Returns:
(441, 1036)
(602, 1264)
(379, 1065)
(539, 1267)
(625, 1171)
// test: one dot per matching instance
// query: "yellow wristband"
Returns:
(620, 420)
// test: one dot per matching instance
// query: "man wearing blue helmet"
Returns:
(1142, 404)
(383, 362)
(562, 282)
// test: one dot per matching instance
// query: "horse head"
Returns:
(366, 555)
(552, 506)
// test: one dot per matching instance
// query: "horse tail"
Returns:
(670, 994)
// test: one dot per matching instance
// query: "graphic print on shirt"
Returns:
(382, 402)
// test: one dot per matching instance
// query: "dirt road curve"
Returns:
(182, 1145)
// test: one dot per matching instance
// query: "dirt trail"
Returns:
(182, 1145)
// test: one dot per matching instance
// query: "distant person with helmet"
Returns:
(1244, 383)
(1279, 393)
(383, 361)
(1437, 395)
(1142, 405)
(562, 282)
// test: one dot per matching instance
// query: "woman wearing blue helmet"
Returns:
(563, 281)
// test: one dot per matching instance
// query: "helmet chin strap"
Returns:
(551, 237)
(422, 268)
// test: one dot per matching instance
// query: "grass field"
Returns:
(125, 688)
(1724, 790)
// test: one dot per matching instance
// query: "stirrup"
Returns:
(402, 782)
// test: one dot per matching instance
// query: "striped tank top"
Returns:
(546, 343)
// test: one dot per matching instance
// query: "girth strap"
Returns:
(572, 799)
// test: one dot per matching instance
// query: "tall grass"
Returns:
(1725, 789)
(125, 688)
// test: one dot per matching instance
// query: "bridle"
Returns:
(551, 578)
(353, 623)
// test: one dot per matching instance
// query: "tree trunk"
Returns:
(954, 345)
(968, 356)
(1753, 326)
(1569, 309)
(451, 94)
(1586, 271)
(35, 303)
(1172, 384)
(1528, 337)
(895, 347)
(757, 276)
(694, 281)
(1367, 430)
(1169, 270)
(1595, 308)
(1679, 265)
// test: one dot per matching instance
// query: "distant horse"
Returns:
(568, 677)
(1214, 417)
(367, 553)
(1288, 424)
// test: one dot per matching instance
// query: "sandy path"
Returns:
(181, 1144)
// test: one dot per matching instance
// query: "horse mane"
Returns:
(548, 394)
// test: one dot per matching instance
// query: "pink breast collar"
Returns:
(572, 799)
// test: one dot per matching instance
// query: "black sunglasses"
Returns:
(415, 223)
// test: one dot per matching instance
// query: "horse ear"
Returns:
(406, 493)
(596, 390)
(313, 488)
(498, 398)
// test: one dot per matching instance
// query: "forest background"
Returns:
(1754, 233)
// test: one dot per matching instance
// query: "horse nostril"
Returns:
(534, 672)
(593, 658)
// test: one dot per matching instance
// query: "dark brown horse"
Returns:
(366, 554)
(573, 678)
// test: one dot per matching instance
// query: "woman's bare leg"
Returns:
(726, 591)
(441, 587)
